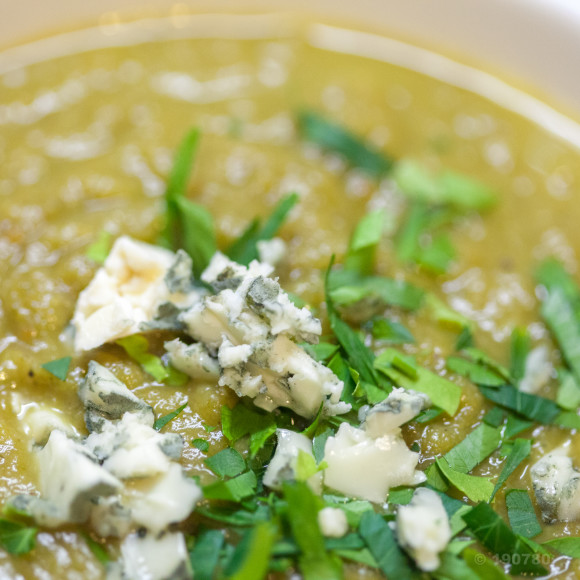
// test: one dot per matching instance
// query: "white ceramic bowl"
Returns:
(534, 44)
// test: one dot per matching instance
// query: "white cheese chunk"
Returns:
(283, 465)
(332, 522)
(130, 449)
(397, 409)
(171, 499)
(366, 468)
(71, 478)
(556, 485)
(423, 528)
(106, 398)
(538, 370)
(127, 291)
(151, 557)
(192, 359)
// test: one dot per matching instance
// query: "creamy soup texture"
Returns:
(87, 141)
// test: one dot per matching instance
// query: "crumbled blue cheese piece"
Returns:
(250, 326)
(538, 370)
(332, 522)
(106, 398)
(71, 478)
(397, 409)
(556, 485)
(169, 500)
(271, 251)
(127, 291)
(361, 466)
(151, 557)
(192, 359)
(423, 528)
(283, 465)
(130, 449)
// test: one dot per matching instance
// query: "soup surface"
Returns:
(87, 141)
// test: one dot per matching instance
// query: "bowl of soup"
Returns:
(289, 291)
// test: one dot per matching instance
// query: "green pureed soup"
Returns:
(188, 412)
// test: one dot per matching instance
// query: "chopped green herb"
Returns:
(162, 421)
(445, 316)
(322, 351)
(428, 415)
(242, 420)
(98, 550)
(520, 450)
(348, 288)
(306, 466)
(407, 240)
(495, 535)
(226, 463)
(390, 331)
(437, 256)
(59, 368)
(400, 496)
(204, 556)
(99, 249)
(568, 396)
(479, 357)
(245, 248)
(337, 139)
(17, 538)
(449, 188)
(553, 276)
(381, 542)
(530, 406)
(235, 489)
(514, 425)
(251, 557)
(569, 546)
(478, 373)
(314, 561)
(200, 444)
(465, 339)
(520, 347)
(474, 487)
(521, 513)
(443, 393)
(474, 448)
(360, 256)
(483, 567)
(137, 347)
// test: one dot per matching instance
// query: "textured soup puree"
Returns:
(87, 142)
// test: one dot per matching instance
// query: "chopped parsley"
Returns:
(59, 368)
(162, 421)
(17, 538)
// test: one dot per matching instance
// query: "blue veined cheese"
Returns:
(397, 409)
(106, 398)
(556, 484)
(127, 291)
(423, 528)
(71, 478)
(283, 465)
(332, 522)
(538, 370)
(153, 557)
(364, 467)
(130, 449)
(272, 251)
(192, 359)
(250, 326)
(170, 499)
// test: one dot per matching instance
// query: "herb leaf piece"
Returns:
(252, 555)
(235, 489)
(335, 138)
(367, 234)
(520, 450)
(17, 538)
(59, 368)
(474, 448)
(521, 513)
(99, 249)
(383, 546)
(226, 463)
(489, 528)
(245, 248)
(137, 347)
(569, 546)
(162, 421)
(204, 556)
(475, 488)
(314, 561)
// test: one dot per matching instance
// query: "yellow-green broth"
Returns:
(86, 144)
